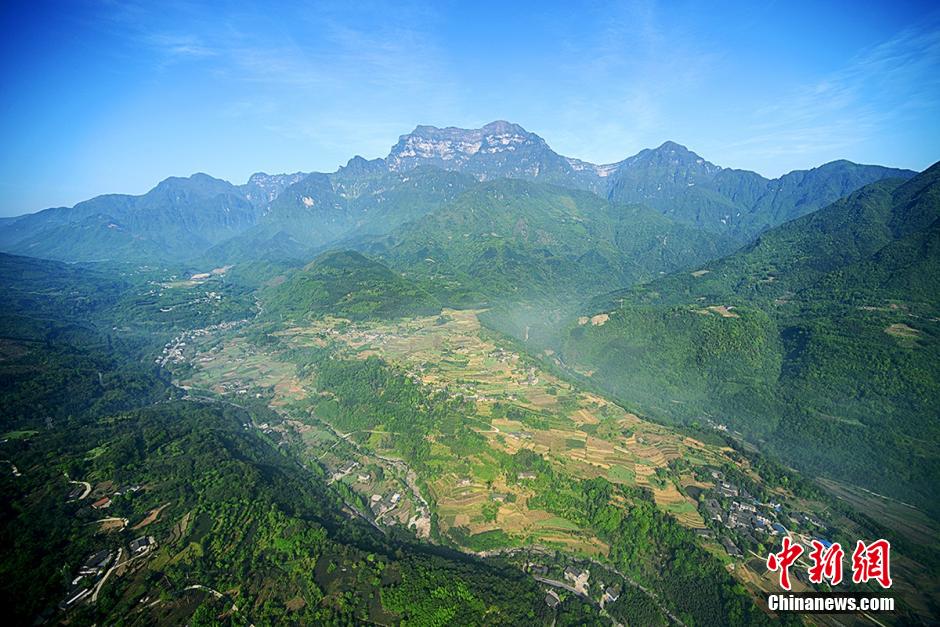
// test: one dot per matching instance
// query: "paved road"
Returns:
(557, 584)
(199, 586)
(87, 488)
(94, 595)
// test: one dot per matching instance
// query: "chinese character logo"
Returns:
(872, 562)
(827, 563)
(869, 562)
(783, 560)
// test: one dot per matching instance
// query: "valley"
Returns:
(489, 474)
(623, 313)
(474, 387)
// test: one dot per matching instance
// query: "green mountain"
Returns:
(348, 285)
(686, 187)
(509, 239)
(324, 211)
(53, 290)
(287, 218)
(177, 219)
(669, 178)
(820, 340)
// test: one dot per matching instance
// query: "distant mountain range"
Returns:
(291, 216)
(670, 178)
(799, 317)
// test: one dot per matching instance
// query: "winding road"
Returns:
(87, 488)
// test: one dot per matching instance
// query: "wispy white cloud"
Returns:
(617, 84)
(313, 73)
(877, 89)
(180, 47)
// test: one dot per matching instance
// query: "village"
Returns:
(383, 486)
(744, 526)
(115, 557)
(173, 351)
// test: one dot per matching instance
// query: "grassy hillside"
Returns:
(821, 340)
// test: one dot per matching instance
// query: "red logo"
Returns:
(783, 560)
(827, 563)
(869, 562)
(872, 562)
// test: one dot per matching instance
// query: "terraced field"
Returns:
(581, 432)
(236, 366)
(518, 405)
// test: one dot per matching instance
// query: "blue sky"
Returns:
(111, 96)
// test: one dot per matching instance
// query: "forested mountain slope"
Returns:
(513, 239)
(175, 218)
(347, 285)
(820, 340)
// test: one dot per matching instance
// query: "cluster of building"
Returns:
(577, 580)
(343, 470)
(503, 356)
(105, 501)
(531, 377)
(94, 568)
(739, 512)
(173, 350)
(717, 426)
(263, 427)
(730, 508)
(143, 544)
(88, 575)
(382, 504)
(208, 298)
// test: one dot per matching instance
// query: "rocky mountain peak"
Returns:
(263, 188)
(200, 184)
(452, 147)
(361, 166)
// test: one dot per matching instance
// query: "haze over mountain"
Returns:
(818, 340)
(437, 313)
(287, 216)
(493, 216)
(510, 239)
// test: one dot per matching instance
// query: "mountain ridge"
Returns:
(183, 218)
